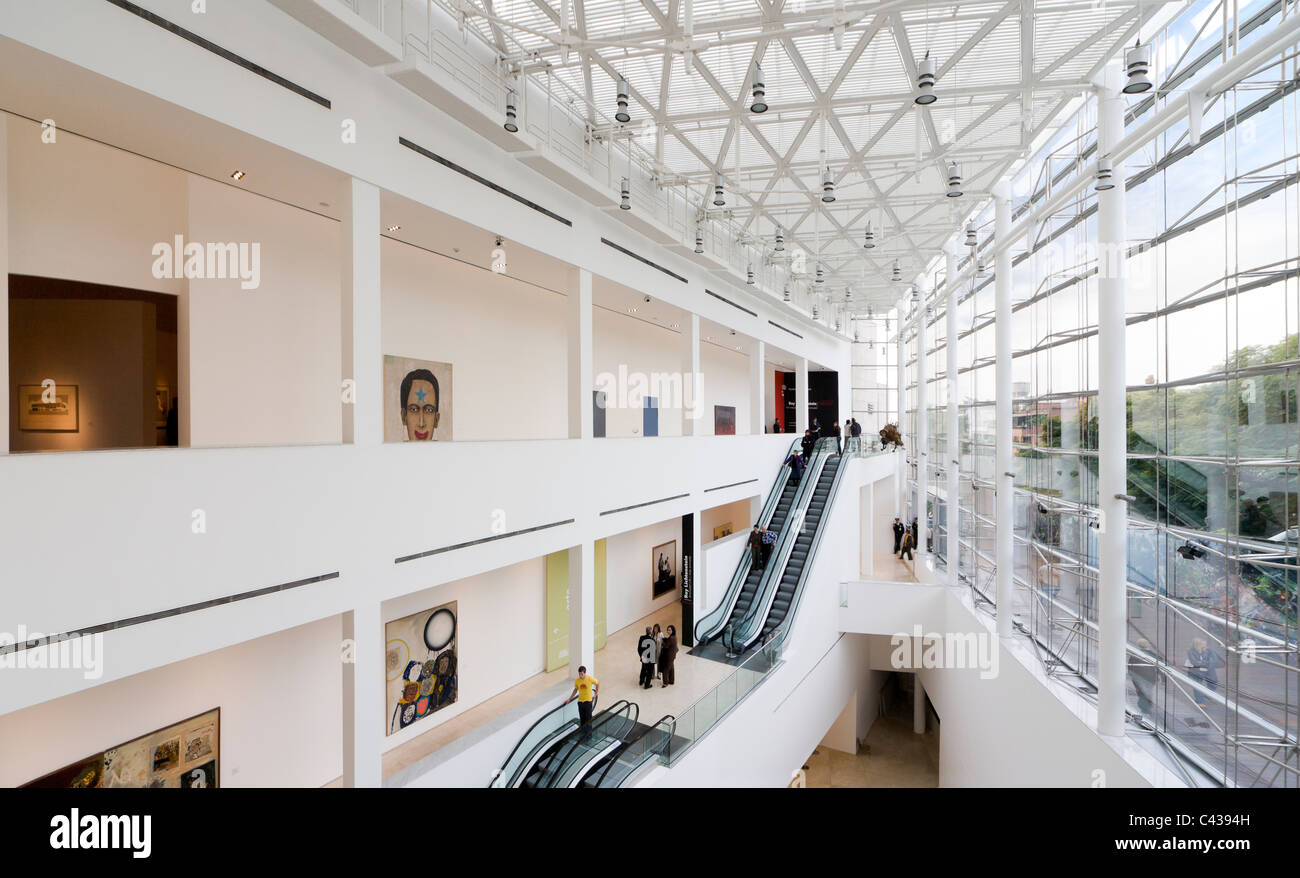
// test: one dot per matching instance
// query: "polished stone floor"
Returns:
(895, 757)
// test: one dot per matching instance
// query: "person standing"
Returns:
(914, 531)
(668, 655)
(1201, 665)
(769, 540)
(808, 443)
(776, 425)
(898, 535)
(648, 652)
(835, 431)
(855, 431)
(756, 548)
(659, 642)
(586, 688)
(908, 542)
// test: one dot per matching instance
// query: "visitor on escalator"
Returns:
(769, 540)
(808, 443)
(668, 655)
(855, 434)
(795, 462)
(586, 688)
(648, 651)
(756, 548)
(835, 431)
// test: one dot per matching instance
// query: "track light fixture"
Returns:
(898, 272)
(925, 78)
(759, 103)
(1137, 60)
(869, 242)
(622, 114)
(780, 241)
(625, 201)
(828, 187)
(718, 200)
(954, 180)
(511, 116)
(1105, 173)
(972, 240)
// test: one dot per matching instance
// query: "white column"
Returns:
(953, 549)
(363, 416)
(582, 608)
(801, 396)
(1111, 417)
(901, 369)
(1003, 478)
(581, 381)
(922, 423)
(4, 281)
(363, 696)
(918, 704)
(757, 410)
(692, 378)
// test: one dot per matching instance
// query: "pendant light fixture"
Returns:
(622, 114)
(511, 125)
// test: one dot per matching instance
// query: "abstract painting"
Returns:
(664, 573)
(417, 400)
(421, 665)
(182, 755)
(724, 420)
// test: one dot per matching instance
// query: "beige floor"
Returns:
(617, 669)
(890, 568)
(897, 757)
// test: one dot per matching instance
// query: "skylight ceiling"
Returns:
(840, 82)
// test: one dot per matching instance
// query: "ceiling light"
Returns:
(848, 294)
(780, 241)
(699, 240)
(759, 104)
(870, 240)
(625, 198)
(785, 296)
(1138, 62)
(954, 180)
(815, 315)
(898, 272)
(622, 114)
(238, 175)
(511, 125)
(828, 187)
(981, 270)
(837, 324)
(870, 312)
(749, 274)
(718, 200)
(1105, 173)
(820, 279)
(925, 78)
(971, 239)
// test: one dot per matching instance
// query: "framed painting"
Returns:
(421, 665)
(724, 420)
(417, 400)
(664, 571)
(48, 408)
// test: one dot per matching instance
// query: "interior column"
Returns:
(953, 548)
(801, 396)
(1112, 447)
(757, 394)
(363, 411)
(1003, 476)
(692, 378)
(900, 368)
(581, 382)
(582, 608)
(922, 424)
(363, 696)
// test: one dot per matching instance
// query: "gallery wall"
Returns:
(280, 719)
(739, 514)
(621, 340)
(630, 573)
(500, 635)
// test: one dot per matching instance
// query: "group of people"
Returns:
(657, 650)
(904, 539)
(852, 432)
(761, 542)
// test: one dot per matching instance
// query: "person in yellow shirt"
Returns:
(586, 688)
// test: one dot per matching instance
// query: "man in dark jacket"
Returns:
(914, 531)
(808, 443)
(835, 431)
(756, 548)
(647, 651)
(898, 535)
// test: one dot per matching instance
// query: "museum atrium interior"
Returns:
(1028, 269)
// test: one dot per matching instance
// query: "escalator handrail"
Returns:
(649, 753)
(716, 620)
(524, 737)
(747, 628)
(568, 750)
(777, 637)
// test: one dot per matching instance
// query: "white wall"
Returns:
(621, 340)
(279, 699)
(726, 382)
(500, 635)
(736, 513)
(628, 573)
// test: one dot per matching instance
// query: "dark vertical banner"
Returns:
(778, 400)
(789, 396)
(688, 579)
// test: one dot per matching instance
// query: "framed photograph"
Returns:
(183, 755)
(162, 401)
(49, 408)
(421, 665)
(664, 570)
(417, 400)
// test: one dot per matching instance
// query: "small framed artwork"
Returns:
(723, 530)
(664, 573)
(161, 402)
(48, 408)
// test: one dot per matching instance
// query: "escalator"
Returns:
(747, 581)
(640, 748)
(575, 755)
(537, 744)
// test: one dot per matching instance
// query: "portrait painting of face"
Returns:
(417, 400)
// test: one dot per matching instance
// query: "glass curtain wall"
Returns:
(1212, 303)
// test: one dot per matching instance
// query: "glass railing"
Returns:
(604, 734)
(713, 622)
(549, 728)
(696, 721)
(641, 750)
